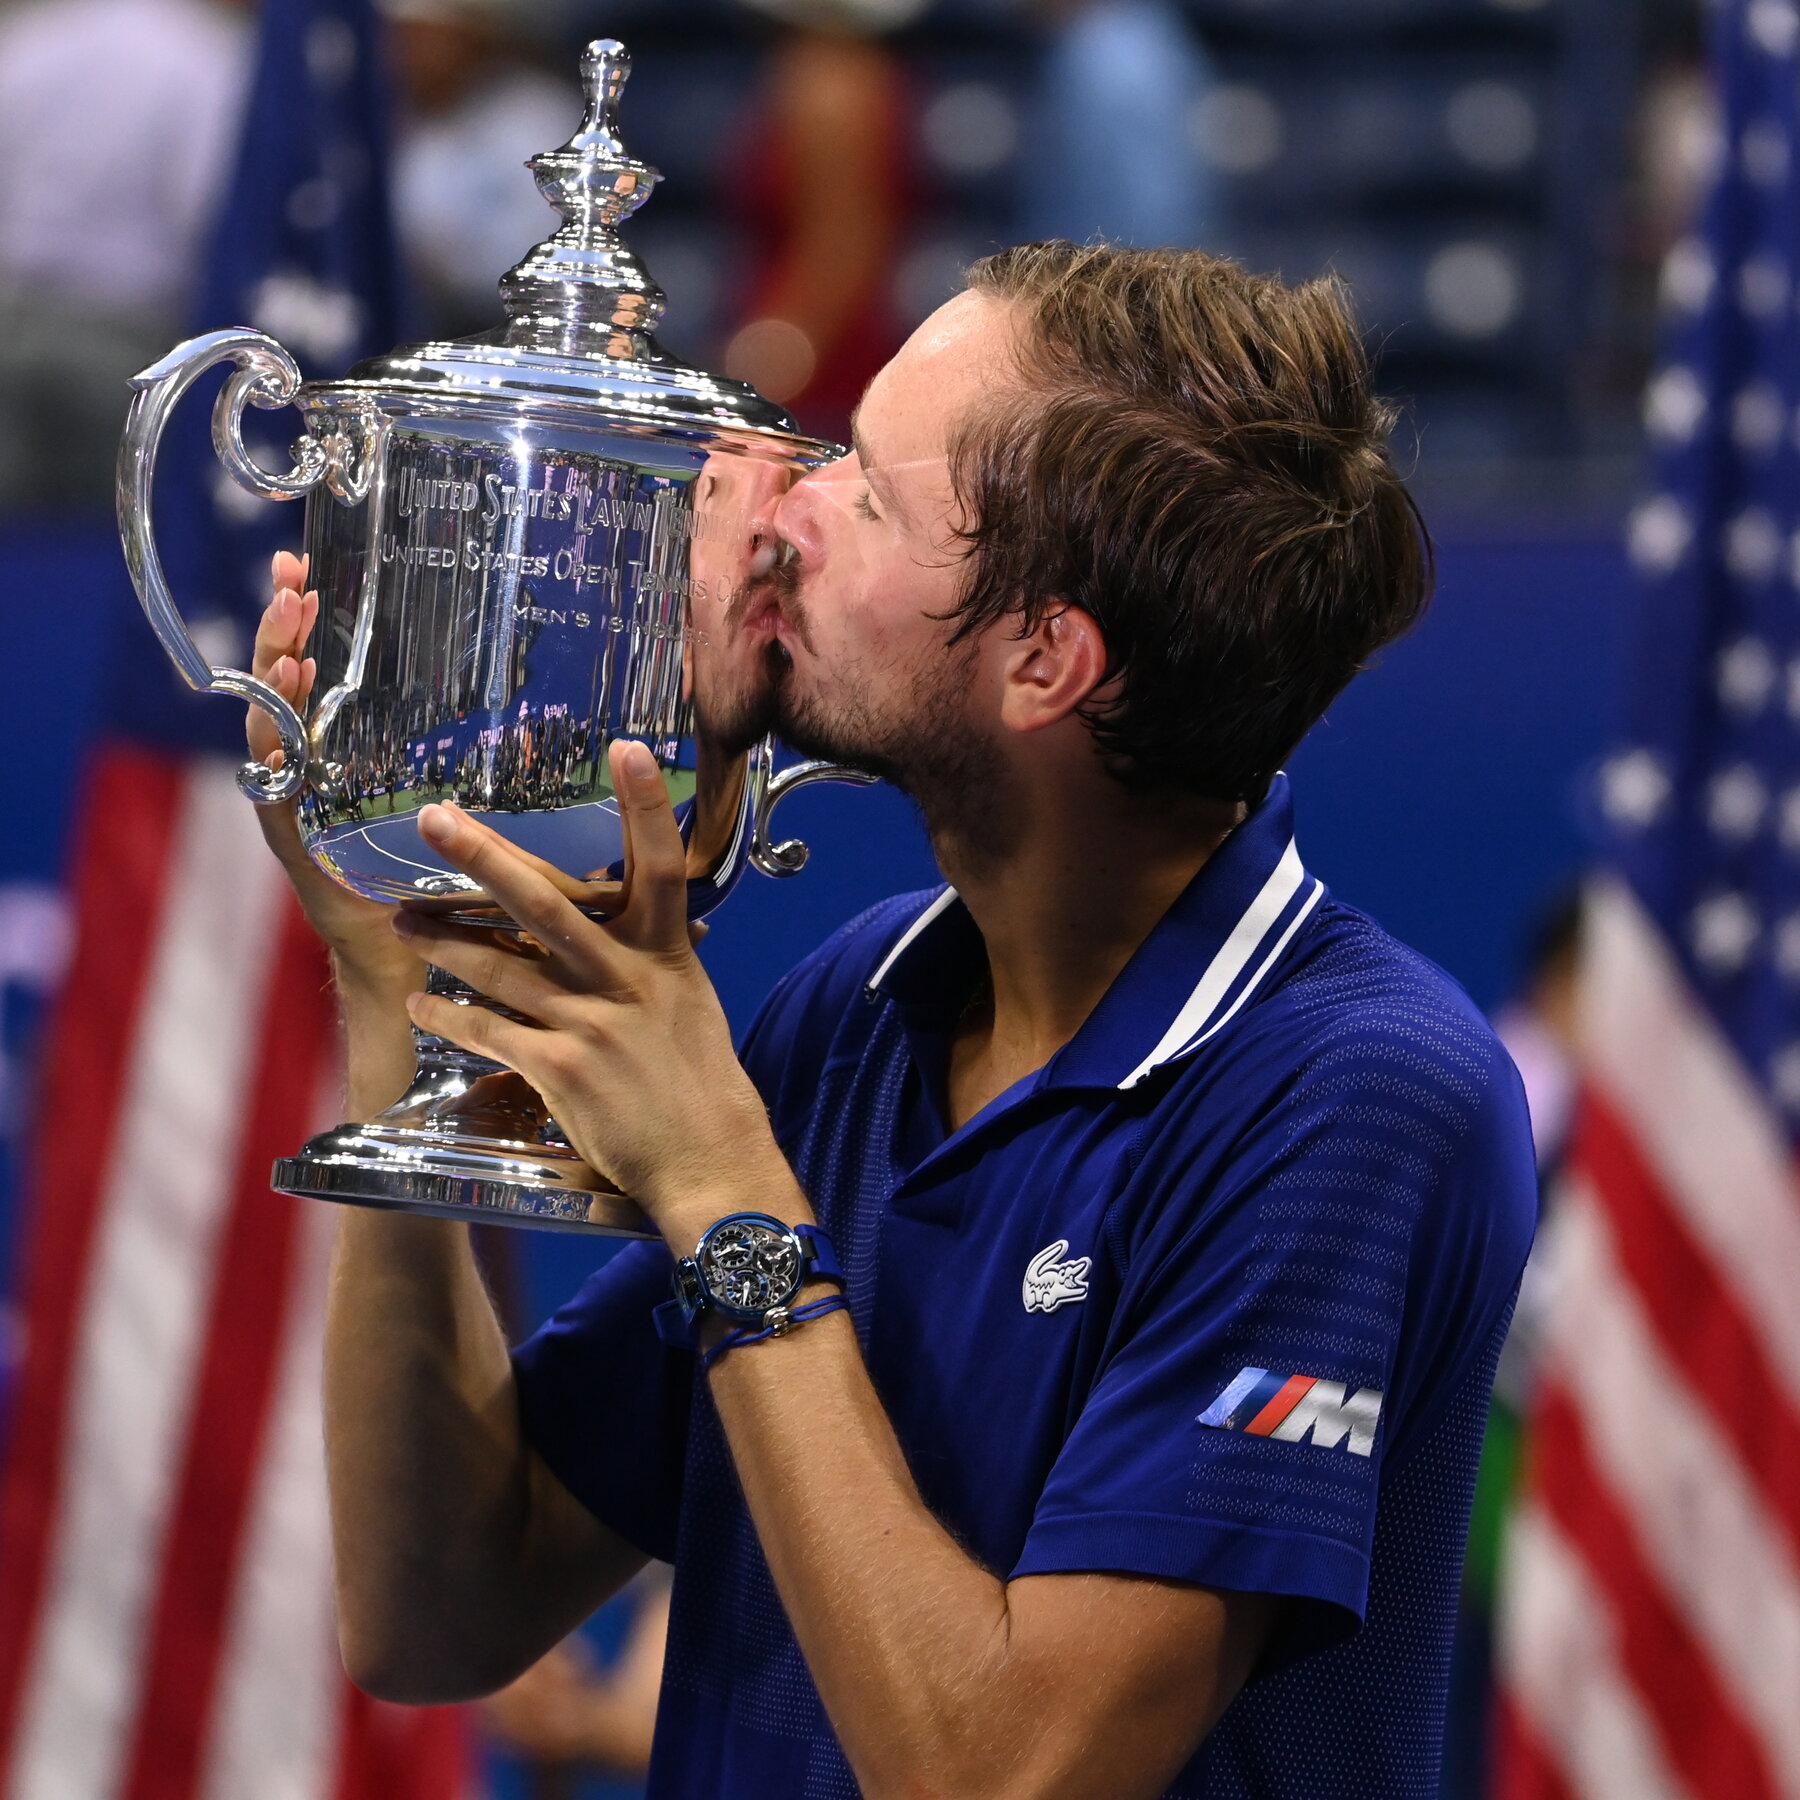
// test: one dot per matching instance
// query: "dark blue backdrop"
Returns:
(1443, 793)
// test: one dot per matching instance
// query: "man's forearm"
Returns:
(940, 1678)
(446, 1530)
(421, 1452)
(904, 1633)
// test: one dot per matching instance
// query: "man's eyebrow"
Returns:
(871, 473)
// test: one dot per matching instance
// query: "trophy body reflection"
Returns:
(525, 544)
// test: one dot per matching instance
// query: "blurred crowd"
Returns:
(1497, 178)
(118, 119)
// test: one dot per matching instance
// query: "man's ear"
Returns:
(1052, 670)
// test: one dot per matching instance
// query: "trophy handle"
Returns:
(266, 376)
(767, 791)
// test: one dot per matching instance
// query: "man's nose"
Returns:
(800, 518)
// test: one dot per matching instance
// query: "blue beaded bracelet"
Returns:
(783, 1322)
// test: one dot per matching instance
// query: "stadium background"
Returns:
(1498, 179)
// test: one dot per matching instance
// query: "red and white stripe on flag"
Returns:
(165, 1565)
(1650, 1626)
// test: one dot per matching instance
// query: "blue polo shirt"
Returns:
(1214, 1296)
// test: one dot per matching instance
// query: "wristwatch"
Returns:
(749, 1268)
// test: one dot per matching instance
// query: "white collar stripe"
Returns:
(940, 905)
(1234, 956)
(1255, 981)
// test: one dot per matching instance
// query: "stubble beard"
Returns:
(912, 731)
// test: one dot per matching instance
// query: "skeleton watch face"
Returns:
(750, 1267)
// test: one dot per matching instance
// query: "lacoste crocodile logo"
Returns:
(1050, 1282)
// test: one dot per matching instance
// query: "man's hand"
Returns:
(627, 1041)
(373, 969)
(355, 930)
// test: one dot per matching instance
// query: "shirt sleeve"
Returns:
(605, 1402)
(1293, 1313)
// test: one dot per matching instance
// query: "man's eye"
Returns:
(863, 509)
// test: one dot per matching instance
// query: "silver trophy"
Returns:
(526, 544)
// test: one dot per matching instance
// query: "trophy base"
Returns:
(468, 1140)
(499, 1185)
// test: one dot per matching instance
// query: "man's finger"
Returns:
(288, 679)
(287, 621)
(281, 832)
(590, 896)
(515, 980)
(528, 895)
(655, 915)
(278, 632)
(474, 1028)
(281, 635)
(287, 570)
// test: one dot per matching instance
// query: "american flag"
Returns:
(166, 1625)
(1650, 1630)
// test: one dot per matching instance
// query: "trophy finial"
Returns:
(605, 67)
(582, 290)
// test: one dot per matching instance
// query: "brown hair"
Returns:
(1194, 456)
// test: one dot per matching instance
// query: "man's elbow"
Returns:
(933, 1779)
(1034, 1761)
(941, 1765)
(420, 1668)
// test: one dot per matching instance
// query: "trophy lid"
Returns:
(581, 308)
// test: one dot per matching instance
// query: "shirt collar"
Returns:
(1196, 970)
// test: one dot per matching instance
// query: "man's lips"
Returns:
(769, 607)
(763, 617)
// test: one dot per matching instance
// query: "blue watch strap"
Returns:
(801, 1315)
(823, 1258)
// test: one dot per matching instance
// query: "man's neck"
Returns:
(1061, 914)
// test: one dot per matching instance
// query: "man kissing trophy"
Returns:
(527, 546)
